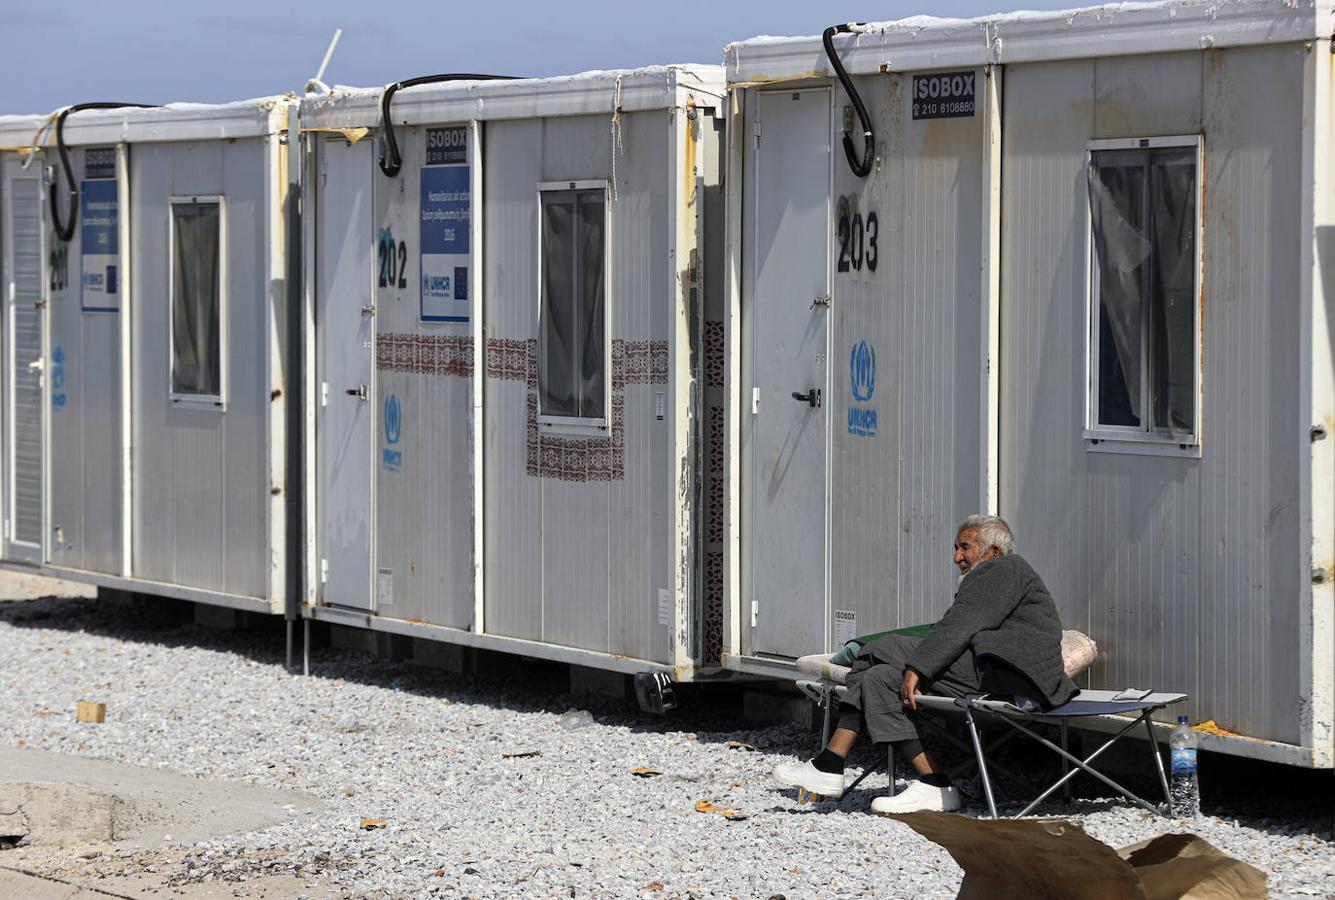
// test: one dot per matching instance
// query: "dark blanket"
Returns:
(1003, 613)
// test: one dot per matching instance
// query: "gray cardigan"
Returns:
(1002, 611)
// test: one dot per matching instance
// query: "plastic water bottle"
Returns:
(1184, 792)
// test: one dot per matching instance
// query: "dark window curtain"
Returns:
(1116, 200)
(556, 373)
(196, 299)
(1172, 295)
(593, 350)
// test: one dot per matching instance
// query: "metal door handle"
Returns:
(360, 392)
(811, 397)
(36, 364)
(368, 310)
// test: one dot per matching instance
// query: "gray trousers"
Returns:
(873, 688)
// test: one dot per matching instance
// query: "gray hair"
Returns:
(992, 532)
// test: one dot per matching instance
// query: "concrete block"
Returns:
(763, 707)
(599, 682)
(220, 617)
(440, 655)
(55, 814)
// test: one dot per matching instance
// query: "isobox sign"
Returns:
(445, 146)
(946, 95)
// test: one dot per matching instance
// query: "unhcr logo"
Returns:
(862, 379)
(392, 460)
(393, 420)
(862, 371)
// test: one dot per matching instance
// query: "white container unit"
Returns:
(164, 475)
(507, 363)
(1098, 308)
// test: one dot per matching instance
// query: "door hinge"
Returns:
(757, 132)
(755, 401)
(755, 612)
(324, 393)
(6, 529)
(324, 570)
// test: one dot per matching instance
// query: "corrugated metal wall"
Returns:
(572, 559)
(424, 509)
(25, 345)
(1184, 570)
(201, 485)
(896, 498)
(84, 363)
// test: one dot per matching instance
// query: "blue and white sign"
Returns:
(392, 460)
(99, 245)
(58, 396)
(862, 379)
(447, 222)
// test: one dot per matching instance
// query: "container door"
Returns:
(790, 240)
(25, 317)
(345, 327)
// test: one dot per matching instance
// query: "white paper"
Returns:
(845, 626)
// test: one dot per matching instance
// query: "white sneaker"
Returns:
(808, 777)
(918, 797)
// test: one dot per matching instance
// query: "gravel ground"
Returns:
(490, 786)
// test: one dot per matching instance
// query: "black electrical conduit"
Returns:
(65, 231)
(390, 160)
(860, 167)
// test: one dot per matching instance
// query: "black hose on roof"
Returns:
(65, 231)
(390, 160)
(860, 167)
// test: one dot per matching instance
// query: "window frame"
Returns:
(215, 402)
(579, 425)
(1125, 438)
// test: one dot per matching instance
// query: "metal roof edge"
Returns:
(1117, 29)
(173, 122)
(583, 94)
(19, 131)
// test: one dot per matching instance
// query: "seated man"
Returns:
(1000, 636)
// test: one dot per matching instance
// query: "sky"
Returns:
(148, 51)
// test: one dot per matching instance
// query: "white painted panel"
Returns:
(200, 476)
(85, 399)
(791, 196)
(1185, 571)
(424, 497)
(898, 494)
(347, 415)
(577, 556)
(24, 306)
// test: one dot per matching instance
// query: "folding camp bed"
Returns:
(1078, 651)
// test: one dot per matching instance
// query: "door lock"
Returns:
(823, 301)
(811, 397)
(360, 391)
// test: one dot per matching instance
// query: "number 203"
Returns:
(857, 242)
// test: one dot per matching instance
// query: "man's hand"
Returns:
(908, 689)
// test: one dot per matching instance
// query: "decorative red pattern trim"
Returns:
(568, 458)
(713, 607)
(714, 354)
(425, 354)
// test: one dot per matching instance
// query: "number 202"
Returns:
(857, 244)
(393, 262)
